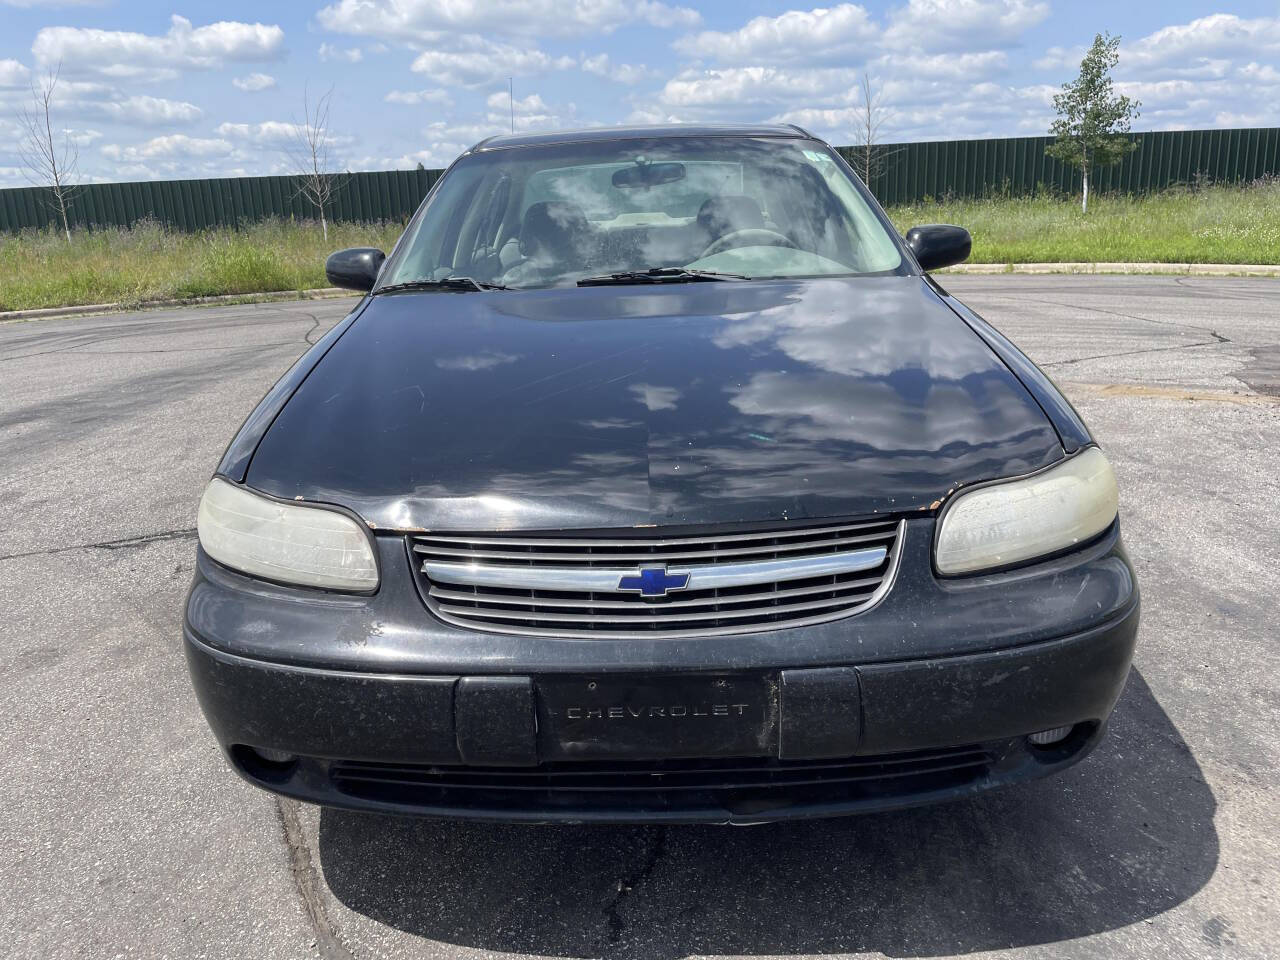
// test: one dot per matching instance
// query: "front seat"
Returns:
(554, 232)
(723, 215)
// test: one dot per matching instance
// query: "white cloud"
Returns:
(940, 25)
(328, 51)
(415, 97)
(445, 139)
(946, 66)
(480, 61)
(442, 151)
(1059, 58)
(254, 82)
(275, 132)
(1262, 73)
(1219, 35)
(499, 100)
(136, 73)
(798, 35)
(398, 20)
(174, 145)
(145, 110)
(13, 74)
(754, 86)
(184, 46)
(601, 66)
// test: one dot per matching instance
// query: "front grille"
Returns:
(551, 584)
(670, 784)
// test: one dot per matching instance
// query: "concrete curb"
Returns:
(47, 313)
(1175, 269)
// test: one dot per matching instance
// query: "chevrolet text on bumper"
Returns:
(655, 480)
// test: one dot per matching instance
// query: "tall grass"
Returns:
(40, 269)
(1208, 225)
(1222, 224)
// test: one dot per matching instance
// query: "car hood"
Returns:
(672, 404)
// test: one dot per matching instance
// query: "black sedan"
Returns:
(654, 479)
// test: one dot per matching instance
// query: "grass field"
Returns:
(40, 269)
(1213, 225)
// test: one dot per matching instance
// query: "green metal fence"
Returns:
(905, 173)
(910, 172)
(229, 202)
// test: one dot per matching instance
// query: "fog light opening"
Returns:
(264, 764)
(1047, 738)
(279, 757)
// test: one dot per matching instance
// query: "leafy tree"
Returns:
(1093, 122)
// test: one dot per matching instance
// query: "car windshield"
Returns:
(541, 216)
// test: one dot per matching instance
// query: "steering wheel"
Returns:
(751, 237)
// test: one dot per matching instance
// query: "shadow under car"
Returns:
(1124, 836)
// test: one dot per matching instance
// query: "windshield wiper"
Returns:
(462, 284)
(660, 275)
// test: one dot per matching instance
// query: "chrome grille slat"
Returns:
(737, 582)
(652, 556)
(539, 615)
(657, 541)
(605, 579)
(638, 602)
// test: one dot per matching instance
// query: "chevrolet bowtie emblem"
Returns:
(653, 582)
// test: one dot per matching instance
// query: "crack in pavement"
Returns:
(1186, 282)
(613, 909)
(129, 353)
(1135, 353)
(125, 543)
(1219, 338)
(315, 322)
(72, 341)
(307, 882)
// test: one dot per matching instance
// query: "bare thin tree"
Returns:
(872, 116)
(49, 158)
(309, 155)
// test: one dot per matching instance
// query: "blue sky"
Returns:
(153, 90)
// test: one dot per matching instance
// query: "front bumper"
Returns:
(928, 696)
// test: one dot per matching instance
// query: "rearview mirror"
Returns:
(354, 269)
(938, 245)
(648, 175)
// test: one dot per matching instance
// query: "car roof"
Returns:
(651, 131)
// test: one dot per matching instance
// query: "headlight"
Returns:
(1017, 520)
(293, 543)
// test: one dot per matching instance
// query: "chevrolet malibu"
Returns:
(655, 479)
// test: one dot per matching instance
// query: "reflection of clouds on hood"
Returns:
(822, 407)
(611, 423)
(655, 398)
(618, 481)
(815, 442)
(887, 329)
(484, 360)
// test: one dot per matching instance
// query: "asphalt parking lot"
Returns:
(122, 833)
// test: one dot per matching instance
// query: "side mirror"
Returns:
(355, 269)
(938, 245)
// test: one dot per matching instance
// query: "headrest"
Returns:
(722, 215)
(553, 230)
